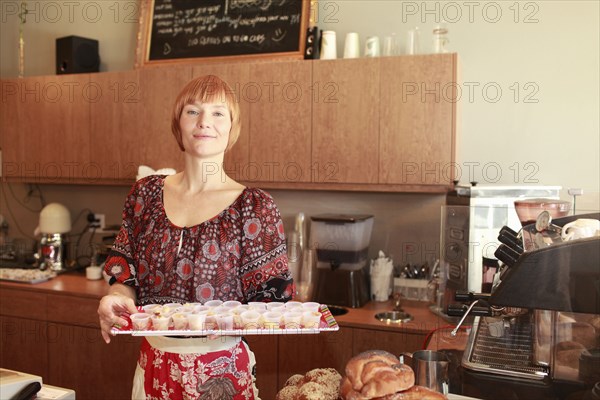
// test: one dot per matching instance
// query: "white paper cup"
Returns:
(352, 45)
(140, 321)
(196, 321)
(311, 319)
(328, 45)
(93, 273)
(152, 308)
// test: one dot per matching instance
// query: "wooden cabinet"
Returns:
(280, 111)
(345, 124)
(159, 88)
(417, 128)
(115, 127)
(371, 124)
(24, 345)
(48, 129)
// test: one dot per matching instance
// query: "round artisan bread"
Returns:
(354, 367)
(384, 382)
(414, 393)
(317, 384)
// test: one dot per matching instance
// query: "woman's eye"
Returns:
(218, 114)
(191, 112)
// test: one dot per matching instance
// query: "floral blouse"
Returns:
(240, 254)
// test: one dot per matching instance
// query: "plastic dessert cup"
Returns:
(311, 319)
(180, 320)
(275, 306)
(292, 319)
(160, 322)
(231, 304)
(196, 321)
(140, 321)
(250, 319)
(213, 303)
(257, 305)
(224, 321)
(272, 319)
(311, 306)
(292, 305)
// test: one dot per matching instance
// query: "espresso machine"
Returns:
(537, 334)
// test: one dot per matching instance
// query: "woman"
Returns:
(192, 237)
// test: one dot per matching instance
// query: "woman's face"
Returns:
(205, 128)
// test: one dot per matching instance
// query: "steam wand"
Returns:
(455, 330)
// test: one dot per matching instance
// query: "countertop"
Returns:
(424, 321)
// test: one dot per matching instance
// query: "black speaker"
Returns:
(313, 46)
(76, 55)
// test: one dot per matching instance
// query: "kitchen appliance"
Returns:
(55, 223)
(471, 219)
(537, 335)
(341, 242)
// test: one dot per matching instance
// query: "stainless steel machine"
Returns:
(537, 335)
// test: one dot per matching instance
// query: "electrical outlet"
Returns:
(98, 222)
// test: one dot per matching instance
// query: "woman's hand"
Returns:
(110, 311)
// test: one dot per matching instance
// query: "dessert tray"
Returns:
(326, 324)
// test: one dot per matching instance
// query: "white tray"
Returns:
(327, 324)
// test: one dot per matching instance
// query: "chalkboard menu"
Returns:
(184, 29)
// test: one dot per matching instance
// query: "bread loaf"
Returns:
(374, 374)
(414, 393)
(317, 384)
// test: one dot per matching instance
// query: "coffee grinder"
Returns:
(55, 223)
(342, 243)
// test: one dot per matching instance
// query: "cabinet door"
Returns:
(417, 119)
(265, 351)
(10, 134)
(159, 87)
(299, 354)
(280, 133)
(393, 342)
(345, 123)
(48, 139)
(79, 359)
(115, 121)
(24, 345)
(237, 76)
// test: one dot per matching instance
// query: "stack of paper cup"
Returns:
(352, 45)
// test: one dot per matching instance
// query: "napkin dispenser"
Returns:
(341, 242)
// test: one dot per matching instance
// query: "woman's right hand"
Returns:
(112, 307)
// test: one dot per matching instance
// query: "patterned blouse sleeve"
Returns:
(264, 273)
(120, 265)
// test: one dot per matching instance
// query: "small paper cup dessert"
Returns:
(224, 321)
(231, 304)
(240, 309)
(152, 308)
(201, 308)
(250, 319)
(292, 305)
(311, 319)
(140, 321)
(160, 322)
(188, 307)
(171, 308)
(180, 320)
(213, 303)
(196, 322)
(311, 306)
(272, 319)
(275, 306)
(257, 305)
(292, 319)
